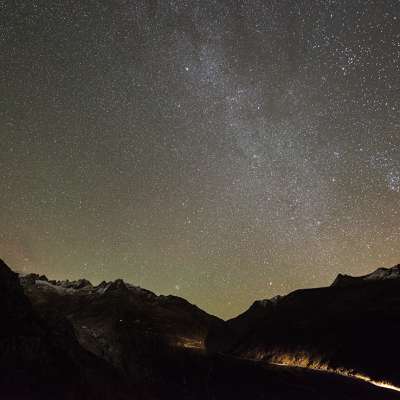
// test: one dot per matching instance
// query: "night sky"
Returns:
(223, 151)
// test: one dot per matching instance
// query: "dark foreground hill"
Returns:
(41, 359)
(352, 326)
(71, 340)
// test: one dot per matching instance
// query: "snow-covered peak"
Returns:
(118, 285)
(384, 273)
(378, 275)
(267, 302)
(79, 284)
(83, 286)
(46, 285)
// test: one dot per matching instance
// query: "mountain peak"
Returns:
(267, 302)
(118, 284)
(78, 284)
(379, 274)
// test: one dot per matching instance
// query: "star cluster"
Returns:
(220, 150)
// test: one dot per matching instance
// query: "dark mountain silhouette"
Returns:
(381, 274)
(75, 341)
(124, 325)
(41, 359)
(354, 325)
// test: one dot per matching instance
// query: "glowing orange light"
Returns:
(303, 360)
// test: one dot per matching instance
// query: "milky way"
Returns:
(222, 151)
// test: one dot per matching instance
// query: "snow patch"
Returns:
(59, 289)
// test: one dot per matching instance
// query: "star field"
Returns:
(223, 151)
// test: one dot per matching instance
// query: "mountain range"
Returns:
(74, 340)
(352, 326)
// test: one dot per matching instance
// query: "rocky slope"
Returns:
(127, 326)
(41, 359)
(354, 325)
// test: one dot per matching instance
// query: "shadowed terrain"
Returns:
(72, 340)
(353, 326)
